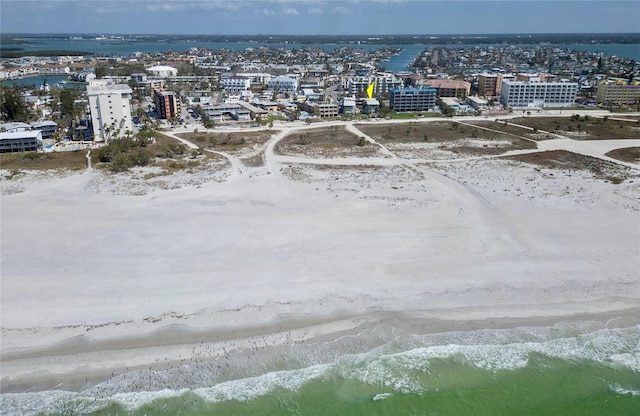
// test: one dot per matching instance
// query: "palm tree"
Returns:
(106, 132)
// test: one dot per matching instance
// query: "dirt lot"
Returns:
(453, 137)
(511, 129)
(437, 131)
(560, 159)
(630, 154)
(234, 143)
(326, 142)
(583, 128)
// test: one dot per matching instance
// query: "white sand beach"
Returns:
(97, 281)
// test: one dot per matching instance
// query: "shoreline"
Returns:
(292, 265)
(181, 345)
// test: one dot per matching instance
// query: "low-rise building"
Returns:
(477, 103)
(235, 84)
(83, 76)
(20, 141)
(349, 106)
(234, 111)
(162, 71)
(54, 70)
(14, 127)
(412, 99)
(283, 84)
(254, 112)
(324, 110)
(370, 106)
(47, 127)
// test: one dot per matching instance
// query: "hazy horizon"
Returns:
(314, 17)
(448, 35)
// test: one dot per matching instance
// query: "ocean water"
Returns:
(397, 63)
(37, 81)
(568, 369)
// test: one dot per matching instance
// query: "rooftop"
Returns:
(447, 83)
(20, 134)
(105, 89)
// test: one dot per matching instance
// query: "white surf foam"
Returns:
(622, 391)
(400, 371)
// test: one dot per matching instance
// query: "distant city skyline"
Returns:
(312, 17)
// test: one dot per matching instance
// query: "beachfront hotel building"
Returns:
(167, 104)
(110, 109)
(618, 93)
(519, 94)
(412, 99)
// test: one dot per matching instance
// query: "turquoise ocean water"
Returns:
(568, 369)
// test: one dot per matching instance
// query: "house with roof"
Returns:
(370, 106)
(47, 127)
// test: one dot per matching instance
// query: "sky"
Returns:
(309, 17)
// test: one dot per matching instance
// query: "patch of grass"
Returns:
(41, 161)
(228, 142)
(510, 129)
(441, 132)
(410, 116)
(172, 166)
(561, 159)
(629, 154)
(325, 141)
(402, 116)
(583, 128)
(13, 173)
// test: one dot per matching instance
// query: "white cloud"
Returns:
(265, 12)
(163, 7)
(343, 11)
(315, 11)
(184, 5)
(290, 11)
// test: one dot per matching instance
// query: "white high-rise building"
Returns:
(110, 110)
(520, 94)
